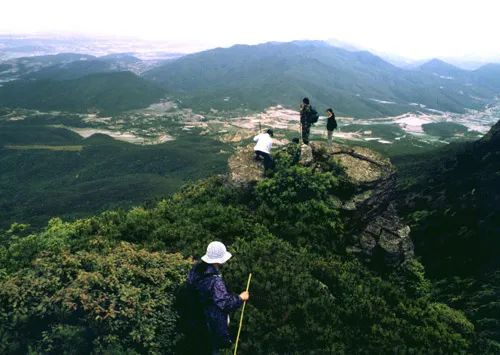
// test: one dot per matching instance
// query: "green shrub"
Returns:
(302, 303)
(121, 297)
(299, 205)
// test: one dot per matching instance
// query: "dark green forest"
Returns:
(451, 199)
(107, 284)
(107, 93)
(70, 177)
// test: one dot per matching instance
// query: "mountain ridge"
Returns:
(359, 84)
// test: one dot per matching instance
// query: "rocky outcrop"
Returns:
(243, 168)
(362, 165)
(306, 155)
(377, 234)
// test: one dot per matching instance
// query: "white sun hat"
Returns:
(216, 254)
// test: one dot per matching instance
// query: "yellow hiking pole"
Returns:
(241, 317)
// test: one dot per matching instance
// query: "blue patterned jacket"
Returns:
(217, 301)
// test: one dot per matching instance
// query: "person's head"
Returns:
(270, 132)
(216, 254)
(329, 112)
(305, 101)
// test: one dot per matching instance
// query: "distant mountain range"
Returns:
(242, 77)
(357, 84)
(68, 66)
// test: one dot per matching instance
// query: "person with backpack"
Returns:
(331, 124)
(213, 300)
(308, 117)
(263, 148)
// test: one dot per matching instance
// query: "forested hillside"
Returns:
(48, 171)
(358, 84)
(108, 283)
(451, 199)
(103, 92)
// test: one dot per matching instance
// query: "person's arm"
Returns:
(256, 138)
(224, 300)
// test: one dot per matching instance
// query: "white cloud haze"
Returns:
(415, 29)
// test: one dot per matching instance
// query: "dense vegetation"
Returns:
(451, 199)
(108, 283)
(444, 129)
(102, 92)
(357, 84)
(37, 184)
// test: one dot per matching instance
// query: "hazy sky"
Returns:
(410, 28)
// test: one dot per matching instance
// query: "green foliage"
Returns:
(450, 200)
(294, 200)
(107, 284)
(119, 297)
(105, 174)
(104, 92)
(410, 275)
(302, 303)
(444, 129)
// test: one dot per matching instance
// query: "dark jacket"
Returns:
(331, 123)
(216, 300)
(305, 111)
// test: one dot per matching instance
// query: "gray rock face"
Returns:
(306, 155)
(377, 233)
(385, 239)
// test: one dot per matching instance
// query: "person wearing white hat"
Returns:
(216, 300)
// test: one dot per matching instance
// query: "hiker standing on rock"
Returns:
(331, 124)
(263, 148)
(217, 302)
(308, 116)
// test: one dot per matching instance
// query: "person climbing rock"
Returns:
(217, 302)
(263, 148)
(331, 124)
(308, 116)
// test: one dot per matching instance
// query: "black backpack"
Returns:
(313, 116)
(190, 307)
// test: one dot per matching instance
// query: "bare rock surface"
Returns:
(243, 168)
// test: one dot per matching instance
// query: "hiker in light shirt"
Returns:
(263, 148)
